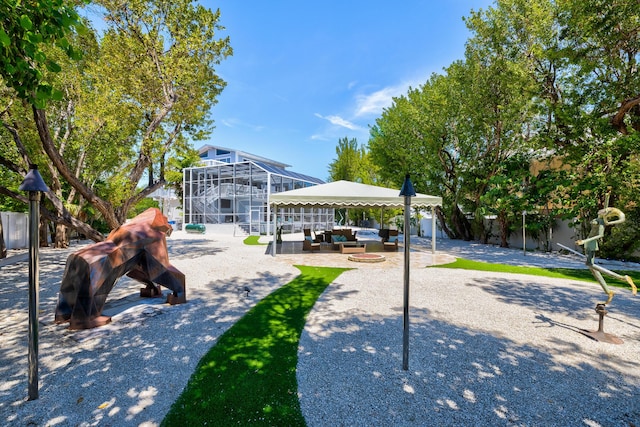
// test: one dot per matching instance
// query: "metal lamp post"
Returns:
(524, 233)
(34, 184)
(407, 191)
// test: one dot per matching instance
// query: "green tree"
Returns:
(454, 133)
(600, 41)
(418, 134)
(552, 81)
(143, 94)
(185, 157)
(27, 29)
(501, 94)
(353, 163)
(461, 132)
(583, 56)
(504, 195)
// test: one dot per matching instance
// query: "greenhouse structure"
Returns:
(234, 187)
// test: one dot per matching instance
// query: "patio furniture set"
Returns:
(345, 241)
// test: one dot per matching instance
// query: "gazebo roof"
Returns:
(346, 194)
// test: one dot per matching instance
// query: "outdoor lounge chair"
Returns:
(390, 242)
(349, 234)
(309, 243)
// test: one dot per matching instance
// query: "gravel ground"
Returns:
(485, 348)
(130, 371)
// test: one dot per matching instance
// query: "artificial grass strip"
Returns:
(249, 376)
(253, 240)
(558, 273)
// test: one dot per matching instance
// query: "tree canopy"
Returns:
(129, 110)
(27, 31)
(542, 82)
(353, 163)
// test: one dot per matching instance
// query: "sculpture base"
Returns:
(89, 323)
(602, 337)
(152, 291)
(176, 299)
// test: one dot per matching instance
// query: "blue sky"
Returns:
(305, 74)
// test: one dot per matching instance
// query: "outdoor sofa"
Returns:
(342, 235)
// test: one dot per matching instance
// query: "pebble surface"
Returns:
(484, 348)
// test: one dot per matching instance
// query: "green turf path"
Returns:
(253, 240)
(249, 376)
(559, 273)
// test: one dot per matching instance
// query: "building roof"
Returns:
(267, 168)
(280, 171)
(244, 154)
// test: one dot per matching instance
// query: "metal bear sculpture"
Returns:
(137, 249)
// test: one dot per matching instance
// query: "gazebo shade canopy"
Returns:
(346, 194)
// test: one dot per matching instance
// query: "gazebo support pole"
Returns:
(433, 229)
(275, 230)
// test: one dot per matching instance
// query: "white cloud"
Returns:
(228, 123)
(339, 121)
(372, 104)
(233, 123)
(317, 137)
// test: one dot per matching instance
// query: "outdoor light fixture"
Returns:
(34, 184)
(407, 188)
(407, 191)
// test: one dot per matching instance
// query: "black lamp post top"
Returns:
(407, 187)
(33, 181)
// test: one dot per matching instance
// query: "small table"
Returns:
(352, 248)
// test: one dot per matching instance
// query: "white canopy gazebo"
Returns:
(346, 194)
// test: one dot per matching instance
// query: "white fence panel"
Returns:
(15, 227)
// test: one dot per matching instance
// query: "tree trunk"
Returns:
(486, 233)
(59, 231)
(479, 231)
(71, 222)
(461, 225)
(3, 248)
(443, 223)
(61, 240)
(504, 230)
(43, 238)
(49, 147)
